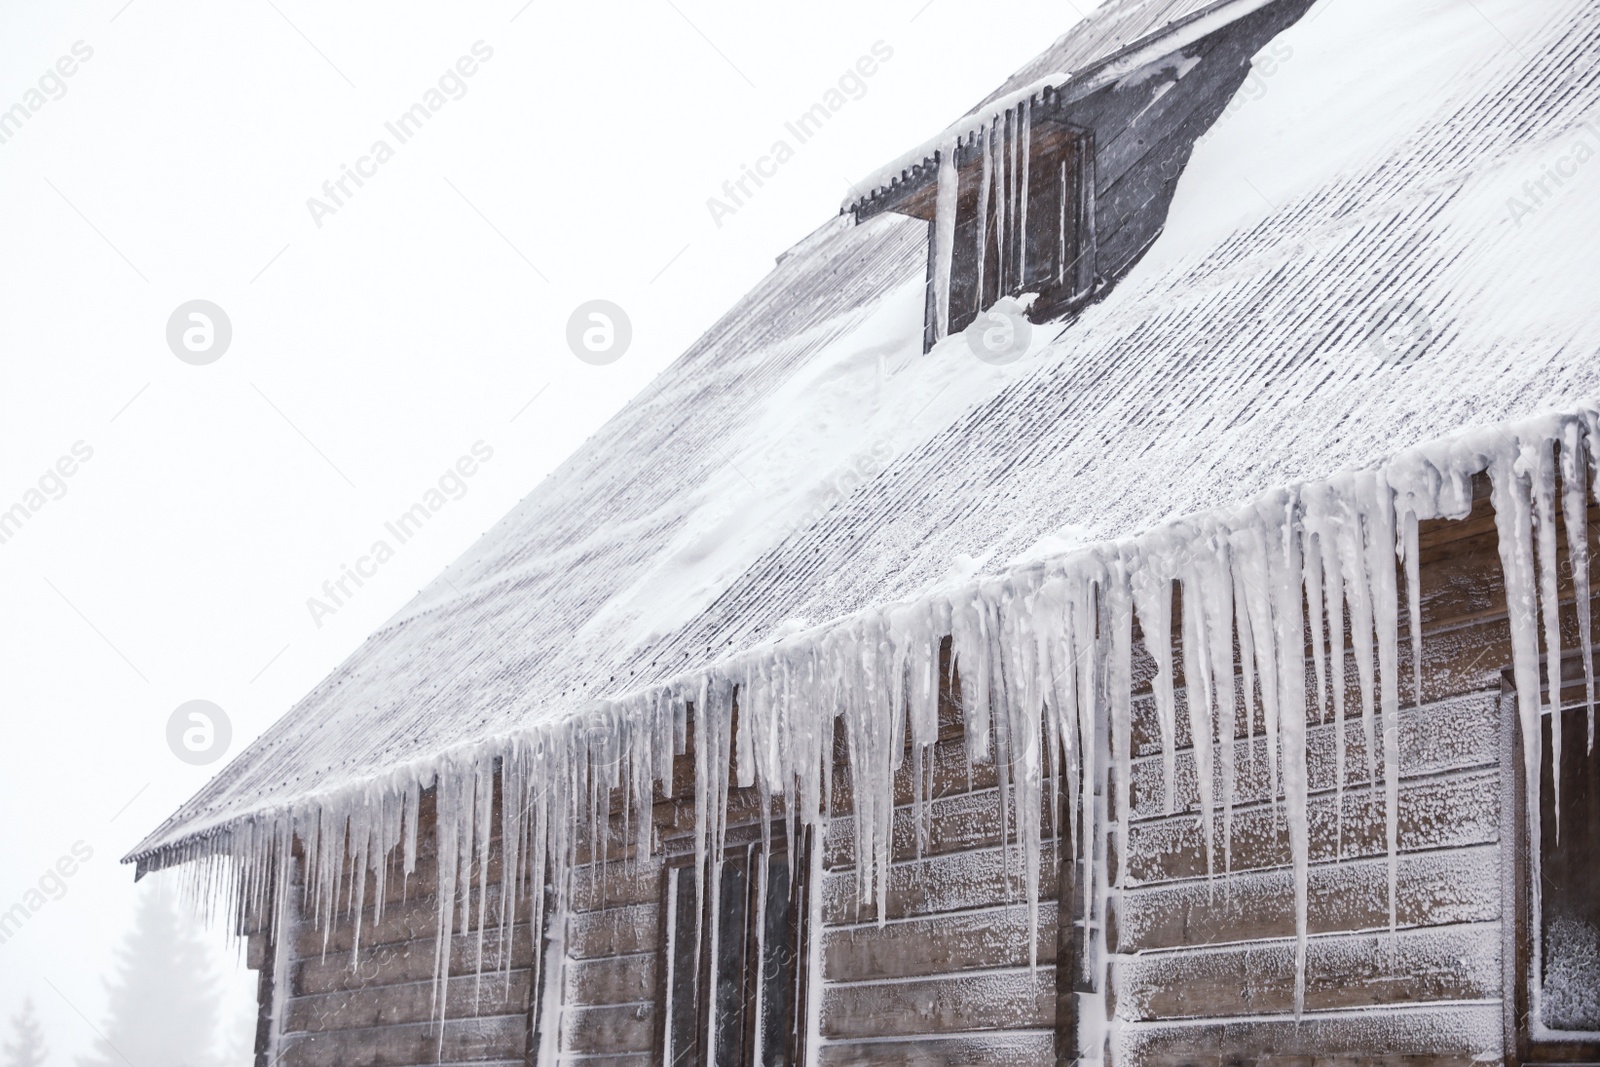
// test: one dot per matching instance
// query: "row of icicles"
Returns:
(1045, 657)
(1004, 144)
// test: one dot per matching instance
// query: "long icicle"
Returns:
(1513, 515)
(1286, 579)
(1320, 520)
(1377, 506)
(1197, 696)
(1575, 513)
(1152, 591)
(944, 239)
(1543, 472)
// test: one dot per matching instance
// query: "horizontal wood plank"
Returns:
(1450, 735)
(951, 882)
(1342, 971)
(410, 962)
(411, 920)
(1027, 1049)
(610, 1030)
(940, 944)
(599, 886)
(387, 1005)
(1445, 812)
(1432, 889)
(952, 774)
(1006, 1000)
(614, 932)
(1433, 1036)
(611, 980)
(462, 1041)
(958, 823)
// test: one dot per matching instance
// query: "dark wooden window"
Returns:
(1024, 215)
(1556, 1010)
(1007, 244)
(734, 990)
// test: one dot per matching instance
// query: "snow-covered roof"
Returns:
(805, 461)
(1118, 30)
(1115, 40)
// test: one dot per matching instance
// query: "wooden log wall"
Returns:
(612, 992)
(1205, 968)
(947, 975)
(375, 1008)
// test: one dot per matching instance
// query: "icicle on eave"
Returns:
(1287, 577)
(1043, 658)
(1539, 462)
(1575, 515)
(944, 238)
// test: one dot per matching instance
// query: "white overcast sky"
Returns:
(368, 354)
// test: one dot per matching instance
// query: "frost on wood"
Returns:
(1041, 670)
(1570, 993)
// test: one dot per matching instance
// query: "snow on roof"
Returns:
(803, 461)
(1119, 28)
(1115, 40)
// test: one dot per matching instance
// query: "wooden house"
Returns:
(1197, 670)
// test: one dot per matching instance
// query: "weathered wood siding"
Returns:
(611, 986)
(376, 1008)
(1205, 971)
(948, 975)
(1204, 967)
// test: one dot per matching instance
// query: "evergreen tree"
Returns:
(26, 1046)
(238, 1040)
(163, 1003)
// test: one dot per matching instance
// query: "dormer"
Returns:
(1058, 186)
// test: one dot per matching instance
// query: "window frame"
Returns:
(1074, 229)
(1524, 1043)
(1076, 279)
(680, 865)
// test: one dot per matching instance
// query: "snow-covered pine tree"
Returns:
(163, 1002)
(25, 1047)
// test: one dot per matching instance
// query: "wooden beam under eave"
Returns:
(916, 193)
